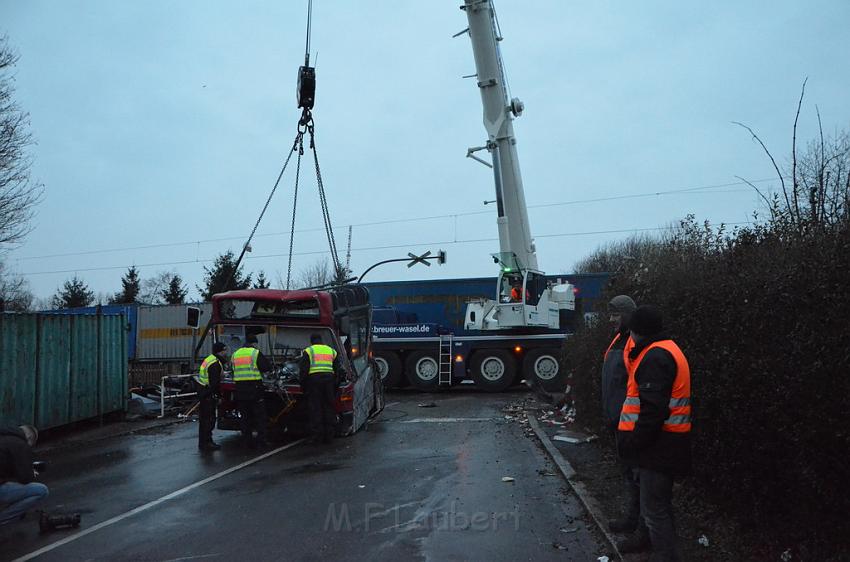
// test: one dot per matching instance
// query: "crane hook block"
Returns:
(306, 87)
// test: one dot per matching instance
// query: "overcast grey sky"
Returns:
(166, 123)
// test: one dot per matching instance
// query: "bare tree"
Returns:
(15, 295)
(153, 288)
(319, 273)
(19, 194)
(816, 190)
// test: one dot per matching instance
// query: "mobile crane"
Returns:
(525, 298)
(519, 335)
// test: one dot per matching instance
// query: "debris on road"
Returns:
(559, 546)
(703, 540)
(507, 479)
(570, 530)
(427, 404)
(786, 556)
(574, 437)
(603, 559)
(361, 486)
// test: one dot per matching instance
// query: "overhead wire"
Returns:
(697, 189)
(373, 248)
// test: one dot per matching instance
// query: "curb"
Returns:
(569, 474)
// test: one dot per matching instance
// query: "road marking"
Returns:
(153, 503)
(198, 557)
(391, 404)
(446, 420)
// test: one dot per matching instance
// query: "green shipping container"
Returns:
(58, 369)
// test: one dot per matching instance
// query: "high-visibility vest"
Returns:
(679, 420)
(203, 374)
(630, 344)
(321, 358)
(244, 361)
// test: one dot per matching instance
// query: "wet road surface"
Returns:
(418, 484)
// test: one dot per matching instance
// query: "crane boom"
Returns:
(524, 297)
(514, 232)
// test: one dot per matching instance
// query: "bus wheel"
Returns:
(543, 366)
(493, 370)
(423, 370)
(389, 368)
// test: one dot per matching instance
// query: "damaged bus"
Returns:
(283, 322)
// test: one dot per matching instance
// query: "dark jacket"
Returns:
(15, 456)
(614, 378)
(648, 446)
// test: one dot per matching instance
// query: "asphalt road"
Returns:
(418, 484)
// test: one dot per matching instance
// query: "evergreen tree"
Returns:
(72, 294)
(261, 282)
(130, 285)
(175, 292)
(216, 277)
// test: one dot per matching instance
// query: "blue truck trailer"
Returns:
(419, 336)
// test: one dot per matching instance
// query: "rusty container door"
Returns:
(18, 336)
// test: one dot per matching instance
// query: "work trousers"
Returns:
(16, 499)
(206, 416)
(656, 507)
(252, 411)
(321, 399)
(630, 479)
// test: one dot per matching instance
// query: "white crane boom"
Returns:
(499, 112)
(524, 296)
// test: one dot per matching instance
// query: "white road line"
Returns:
(446, 420)
(391, 404)
(153, 503)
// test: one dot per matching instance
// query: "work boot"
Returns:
(637, 542)
(623, 525)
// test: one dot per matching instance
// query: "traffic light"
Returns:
(193, 316)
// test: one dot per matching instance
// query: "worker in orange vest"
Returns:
(654, 432)
(614, 379)
(516, 291)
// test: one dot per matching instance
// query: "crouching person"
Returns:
(18, 492)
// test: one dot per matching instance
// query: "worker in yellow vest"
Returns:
(248, 365)
(208, 379)
(319, 376)
(654, 432)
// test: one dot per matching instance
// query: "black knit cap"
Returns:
(218, 347)
(646, 320)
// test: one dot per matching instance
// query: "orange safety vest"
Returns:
(630, 344)
(679, 420)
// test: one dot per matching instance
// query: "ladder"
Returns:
(445, 375)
